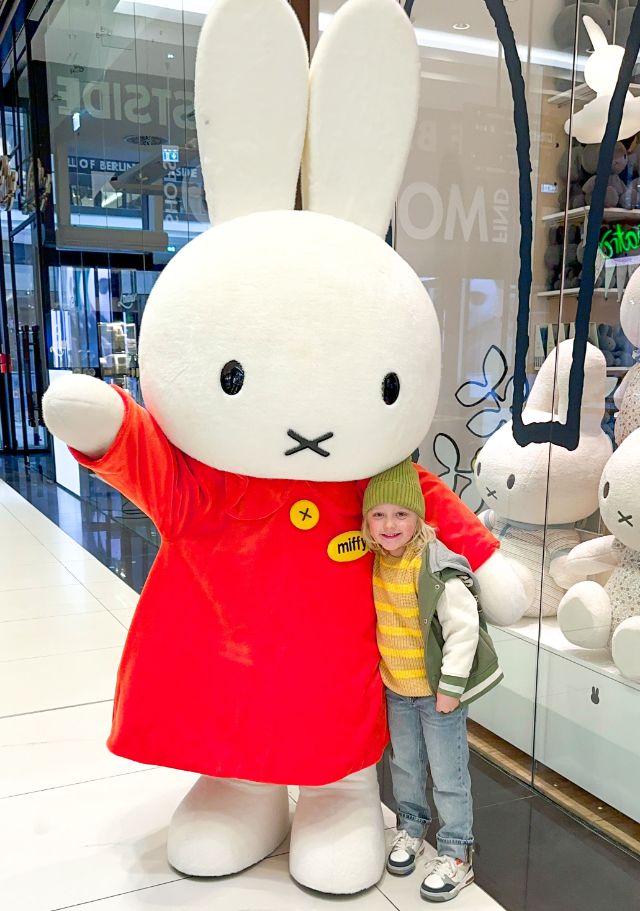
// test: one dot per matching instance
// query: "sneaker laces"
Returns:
(441, 866)
(403, 841)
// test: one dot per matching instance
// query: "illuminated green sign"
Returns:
(618, 240)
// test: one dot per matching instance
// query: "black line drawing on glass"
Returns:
(472, 393)
(458, 477)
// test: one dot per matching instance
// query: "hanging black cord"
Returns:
(523, 150)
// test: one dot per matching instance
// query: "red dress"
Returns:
(252, 653)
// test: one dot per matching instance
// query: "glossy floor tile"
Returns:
(51, 749)
(30, 603)
(115, 595)
(47, 636)
(265, 887)
(49, 574)
(76, 844)
(534, 857)
(55, 681)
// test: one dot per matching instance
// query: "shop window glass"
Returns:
(564, 718)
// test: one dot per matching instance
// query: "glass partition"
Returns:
(564, 718)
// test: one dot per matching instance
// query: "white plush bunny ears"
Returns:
(601, 74)
(258, 106)
(550, 391)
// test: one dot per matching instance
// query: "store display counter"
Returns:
(587, 716)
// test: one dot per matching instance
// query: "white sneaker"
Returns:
(445, 877)
(402, 856)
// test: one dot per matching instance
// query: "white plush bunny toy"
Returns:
(592, 615)
(286, 356)
(627, 396)
(601, 74)
(528, 487)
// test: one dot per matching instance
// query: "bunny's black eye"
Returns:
(511, 480)
(478, 468)
(232, 377)
(390, 388)
(605, 490)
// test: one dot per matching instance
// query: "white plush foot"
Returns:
(584, 615)
(337, 837)
(224, 825)
(625, 648)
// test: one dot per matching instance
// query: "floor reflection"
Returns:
(103, 521)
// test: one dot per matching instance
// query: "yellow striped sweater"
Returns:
(395, 592)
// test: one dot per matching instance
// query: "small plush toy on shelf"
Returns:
(614, 345)
(535, 493)
(594, 615)
(616, 186)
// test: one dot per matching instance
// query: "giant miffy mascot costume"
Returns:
(285, 357)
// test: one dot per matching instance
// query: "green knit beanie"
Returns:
(398, 485)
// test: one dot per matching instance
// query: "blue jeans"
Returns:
(421, 736)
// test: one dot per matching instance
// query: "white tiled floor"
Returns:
(78, 826)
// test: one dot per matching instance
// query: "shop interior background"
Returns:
(101, 186)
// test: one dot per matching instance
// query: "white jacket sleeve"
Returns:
(458, 615)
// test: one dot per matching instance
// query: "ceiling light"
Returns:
(194, 11)
(171, 56)
(461, 26)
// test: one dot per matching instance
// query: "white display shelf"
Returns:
(611, 371)
(552, 639)
(585, 715)
(573, 292)
(582, 93)
(631, 216)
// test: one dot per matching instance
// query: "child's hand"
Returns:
(446, 704)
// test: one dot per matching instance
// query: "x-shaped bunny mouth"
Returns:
(304, 443)
(626, 519)
(492, 493)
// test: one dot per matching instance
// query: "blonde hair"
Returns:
(423, 535)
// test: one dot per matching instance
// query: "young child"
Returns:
(436, 656)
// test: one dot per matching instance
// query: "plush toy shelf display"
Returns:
(535, 494)
(602, 608)
(252, 656)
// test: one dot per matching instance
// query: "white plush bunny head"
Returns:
(602, 67)
(620, 492)
(543, 481)
(601, 74)
(297, 344)
(630, 310)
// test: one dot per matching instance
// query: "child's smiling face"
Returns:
(392, 527)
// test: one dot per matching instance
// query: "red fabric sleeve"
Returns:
(144, 466)
(456, 525)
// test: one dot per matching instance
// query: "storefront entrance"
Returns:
(22, 355)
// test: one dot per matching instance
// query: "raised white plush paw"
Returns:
(506, 589)
(225, 825)
(564, 573)
(84, 413)
(337, 837)
(584, 615)
(625, 648)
